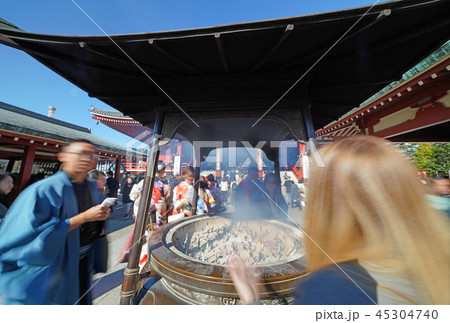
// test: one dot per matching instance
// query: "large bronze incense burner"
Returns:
(190, 255)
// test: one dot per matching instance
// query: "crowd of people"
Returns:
(370, 226)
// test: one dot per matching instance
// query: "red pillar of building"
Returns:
(117, 171)
(26, 166)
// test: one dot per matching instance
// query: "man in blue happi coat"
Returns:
(47, 237)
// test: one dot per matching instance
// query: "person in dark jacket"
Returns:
(6, 186)
(126, 189)
(112, 184)
(124, 180)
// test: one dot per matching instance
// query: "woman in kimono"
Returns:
(159, 206)
(183, 194)
(215, 192)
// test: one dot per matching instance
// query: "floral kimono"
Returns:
(184, 191)
(161, 194)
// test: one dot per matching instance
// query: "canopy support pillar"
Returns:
(196, 184)
(308, 121)
(311, 143)
(308, 125)
(131, 273)
(276, 168)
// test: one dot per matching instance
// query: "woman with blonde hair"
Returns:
(371, 237)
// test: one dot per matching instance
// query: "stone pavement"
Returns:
(107, 286)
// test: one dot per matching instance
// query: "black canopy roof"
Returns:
(232, 69)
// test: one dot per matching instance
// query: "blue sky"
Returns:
(26, 83)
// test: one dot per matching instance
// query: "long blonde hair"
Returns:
(367, 204)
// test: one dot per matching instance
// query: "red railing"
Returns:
(135, 166)
(141, 167)
(297, 173)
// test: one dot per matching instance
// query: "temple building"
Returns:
(30, 142)
(415, 108)
(141, 135)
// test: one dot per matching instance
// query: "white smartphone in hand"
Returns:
(109, 201)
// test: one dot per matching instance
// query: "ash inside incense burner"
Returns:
(259, 243)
